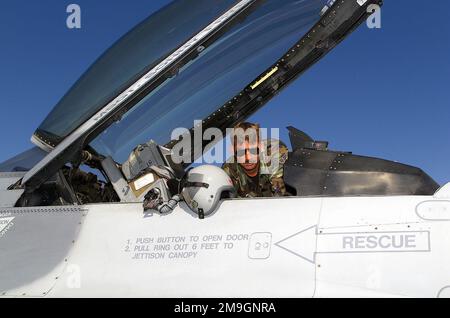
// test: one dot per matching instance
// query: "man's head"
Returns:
(246, 146)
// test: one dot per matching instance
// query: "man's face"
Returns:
(247, 154)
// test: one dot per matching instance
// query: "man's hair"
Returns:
(245, 131)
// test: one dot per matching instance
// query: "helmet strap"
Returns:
(201, 214)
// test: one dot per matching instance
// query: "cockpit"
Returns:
(150, 176)
(111, 137)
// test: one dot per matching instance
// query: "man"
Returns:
(256, 167)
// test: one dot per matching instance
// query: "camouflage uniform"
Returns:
(269, 181)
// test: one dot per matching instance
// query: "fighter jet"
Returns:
(96, 208)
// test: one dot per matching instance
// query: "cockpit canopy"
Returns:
(219, 72)
(214, 61)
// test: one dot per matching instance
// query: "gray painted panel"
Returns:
(8, 199)
(34, 242)
(9, 178)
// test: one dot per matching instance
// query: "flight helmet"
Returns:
(204, 186)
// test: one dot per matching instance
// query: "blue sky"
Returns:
(382, 93)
